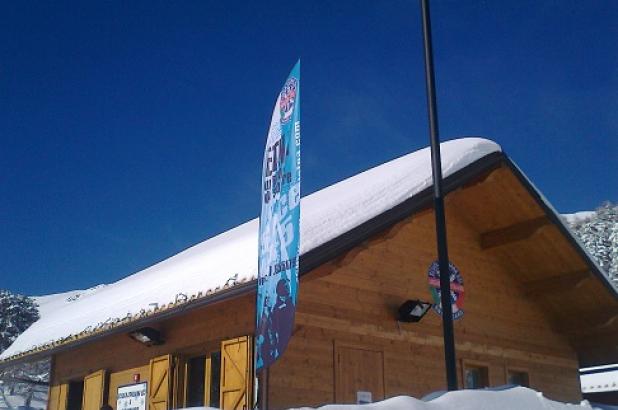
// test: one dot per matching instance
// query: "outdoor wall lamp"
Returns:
(147, 336)
(412, 311)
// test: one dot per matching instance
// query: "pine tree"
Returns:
(24, 381)
(599, 233)
(18, 313)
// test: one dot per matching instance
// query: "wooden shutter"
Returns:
(94, 388)
(160, 381)
(58, 395)
(236, 373)
(207, 380)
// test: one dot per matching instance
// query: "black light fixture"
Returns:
(147, 336)
(412, 311)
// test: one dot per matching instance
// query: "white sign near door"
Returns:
(132, 396)
(363, 397)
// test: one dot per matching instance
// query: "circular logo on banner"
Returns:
(287, 100)
(457, 289)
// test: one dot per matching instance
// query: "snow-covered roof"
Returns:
(49, 303)
(599, 379)
(230, 258)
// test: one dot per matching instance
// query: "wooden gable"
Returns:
(518, 227)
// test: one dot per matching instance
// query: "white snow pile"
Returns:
(517, 398)
(231, 257)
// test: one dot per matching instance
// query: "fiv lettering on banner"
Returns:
(279, 236)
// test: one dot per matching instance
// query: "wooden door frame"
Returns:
(337, 346)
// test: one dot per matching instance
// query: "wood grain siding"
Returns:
(513, 317)
(357, 302)
(196, 332)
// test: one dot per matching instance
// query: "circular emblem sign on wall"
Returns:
(457, 289)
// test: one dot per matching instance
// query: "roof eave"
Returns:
(347, 241)
(561, 224)
(308, 261)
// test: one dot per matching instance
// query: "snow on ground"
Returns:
(517, 398)
(232, 256)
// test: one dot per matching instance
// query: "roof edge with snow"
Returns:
(315, 257)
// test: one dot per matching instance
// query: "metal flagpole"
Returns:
(436, 163)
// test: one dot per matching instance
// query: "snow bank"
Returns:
(231, 257)
(517, 398)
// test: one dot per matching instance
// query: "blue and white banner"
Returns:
(279, 239)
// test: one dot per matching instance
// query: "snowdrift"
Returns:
(516, 398)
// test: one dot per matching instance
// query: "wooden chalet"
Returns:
(537, 308)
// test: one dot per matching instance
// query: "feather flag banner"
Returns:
(279, 240)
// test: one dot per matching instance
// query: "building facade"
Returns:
(534, 308)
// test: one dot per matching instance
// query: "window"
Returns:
(476, 376)
(202, 380)
(196, 373)
(218, 374)
(76, 393)
(214, 378)
(518, 377)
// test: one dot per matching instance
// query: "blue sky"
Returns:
(132, 130)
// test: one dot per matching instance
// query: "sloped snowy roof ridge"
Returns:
(230, 258)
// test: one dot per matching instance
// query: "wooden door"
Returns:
(358, 370)
(160, 382)
(58, 395)
(94, 388)
(236, 374)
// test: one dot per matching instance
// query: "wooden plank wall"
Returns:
(356, 303)
(353, 301)
(193, 334)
